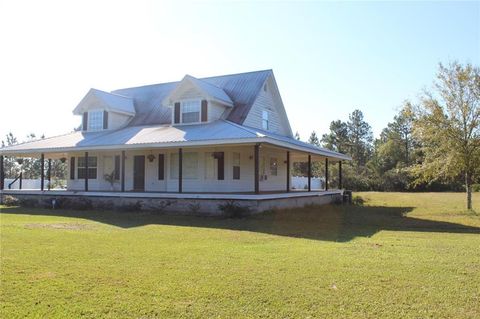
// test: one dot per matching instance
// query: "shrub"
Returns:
(476, 188)
(233, 210)
(131, 207)
(10, 201)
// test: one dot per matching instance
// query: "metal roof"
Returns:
(241, 89)
(158, 136)
(212, 90)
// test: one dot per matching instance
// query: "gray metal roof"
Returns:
(151, 136)
(212, 90)
(241, 89)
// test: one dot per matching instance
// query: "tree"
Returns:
(337, 139)
(10, 164)
(448, 125)
(313, 139)
(297, 136)
(360, 138)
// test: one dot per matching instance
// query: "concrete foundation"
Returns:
(201, 204)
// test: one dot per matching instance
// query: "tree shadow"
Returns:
(330, 222)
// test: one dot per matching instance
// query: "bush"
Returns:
(131, 207)
(233, 210)
(476, 188)
(10, 201)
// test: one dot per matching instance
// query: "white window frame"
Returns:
(184, 103)
(93, 117)
(265, 120)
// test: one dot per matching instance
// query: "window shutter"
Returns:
(161, 167)
(85, 121)
(72, 168)
(177, 113)
(105, 120)
(204, 111)
(221, 165)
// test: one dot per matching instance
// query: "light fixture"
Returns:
(151, 157)
(63, 160)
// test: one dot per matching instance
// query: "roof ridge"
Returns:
(203, 78)
(116, 94)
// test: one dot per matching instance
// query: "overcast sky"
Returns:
(328, 58)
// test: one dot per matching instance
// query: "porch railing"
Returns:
(19, 177)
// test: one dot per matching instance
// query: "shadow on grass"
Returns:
(330, 222)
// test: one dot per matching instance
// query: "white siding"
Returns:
(116, 120)
(201, 183)
(215, 111)
(265, 101)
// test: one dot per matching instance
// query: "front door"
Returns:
(139, 173)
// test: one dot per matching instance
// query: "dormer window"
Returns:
(191, 111)
(95, 120)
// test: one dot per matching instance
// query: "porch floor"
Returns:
(225, 196)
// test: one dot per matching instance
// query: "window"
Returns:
(189, 167)
(92, 168)
(95, 120)
(273, 166)
(265, 123)
(236, 165)
(190, 111)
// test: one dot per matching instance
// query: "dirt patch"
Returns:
(67, 226)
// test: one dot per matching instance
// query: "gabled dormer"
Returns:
(104, 111)
(196, 101)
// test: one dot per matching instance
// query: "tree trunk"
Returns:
(468, 187)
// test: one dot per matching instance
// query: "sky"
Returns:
(328, 58)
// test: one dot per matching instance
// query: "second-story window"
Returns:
(95, 120)
(265, 122)
(190, 111)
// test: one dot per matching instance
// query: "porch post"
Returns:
(309, 172)
(42, 171)
(2, 174)
(288, 171)
(49, 173)
(340, 175)
(86, 171)
(256, 168)
(122, 181)
(180, 172)
(326, 174)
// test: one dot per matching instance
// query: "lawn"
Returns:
(397, 256)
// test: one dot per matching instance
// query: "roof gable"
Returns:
(104, 100)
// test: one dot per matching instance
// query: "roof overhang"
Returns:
(97, 99)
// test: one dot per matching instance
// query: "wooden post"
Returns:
(2, 173)
(122, 181)
(21, 180)
(49, 173)
(309, 172)
(326, 174)
(86, 171)
(256, 154)
(340, 175)
(288, 171)
(42, 171)
(180, 170)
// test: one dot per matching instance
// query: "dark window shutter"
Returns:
(161, 167)
(236, 172)
(105, 120)
(85, 121)
(117, 167)
(204, 111)
(221, 165)
(176, 118)
(72, 168)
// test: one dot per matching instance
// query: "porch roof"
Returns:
(219, 132)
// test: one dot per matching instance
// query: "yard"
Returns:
(397, 256)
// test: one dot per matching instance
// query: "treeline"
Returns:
(431, 145)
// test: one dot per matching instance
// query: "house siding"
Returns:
(200, 184)
(265, 102)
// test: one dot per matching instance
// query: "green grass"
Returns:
(399, 256)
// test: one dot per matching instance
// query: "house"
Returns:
(215, 138)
